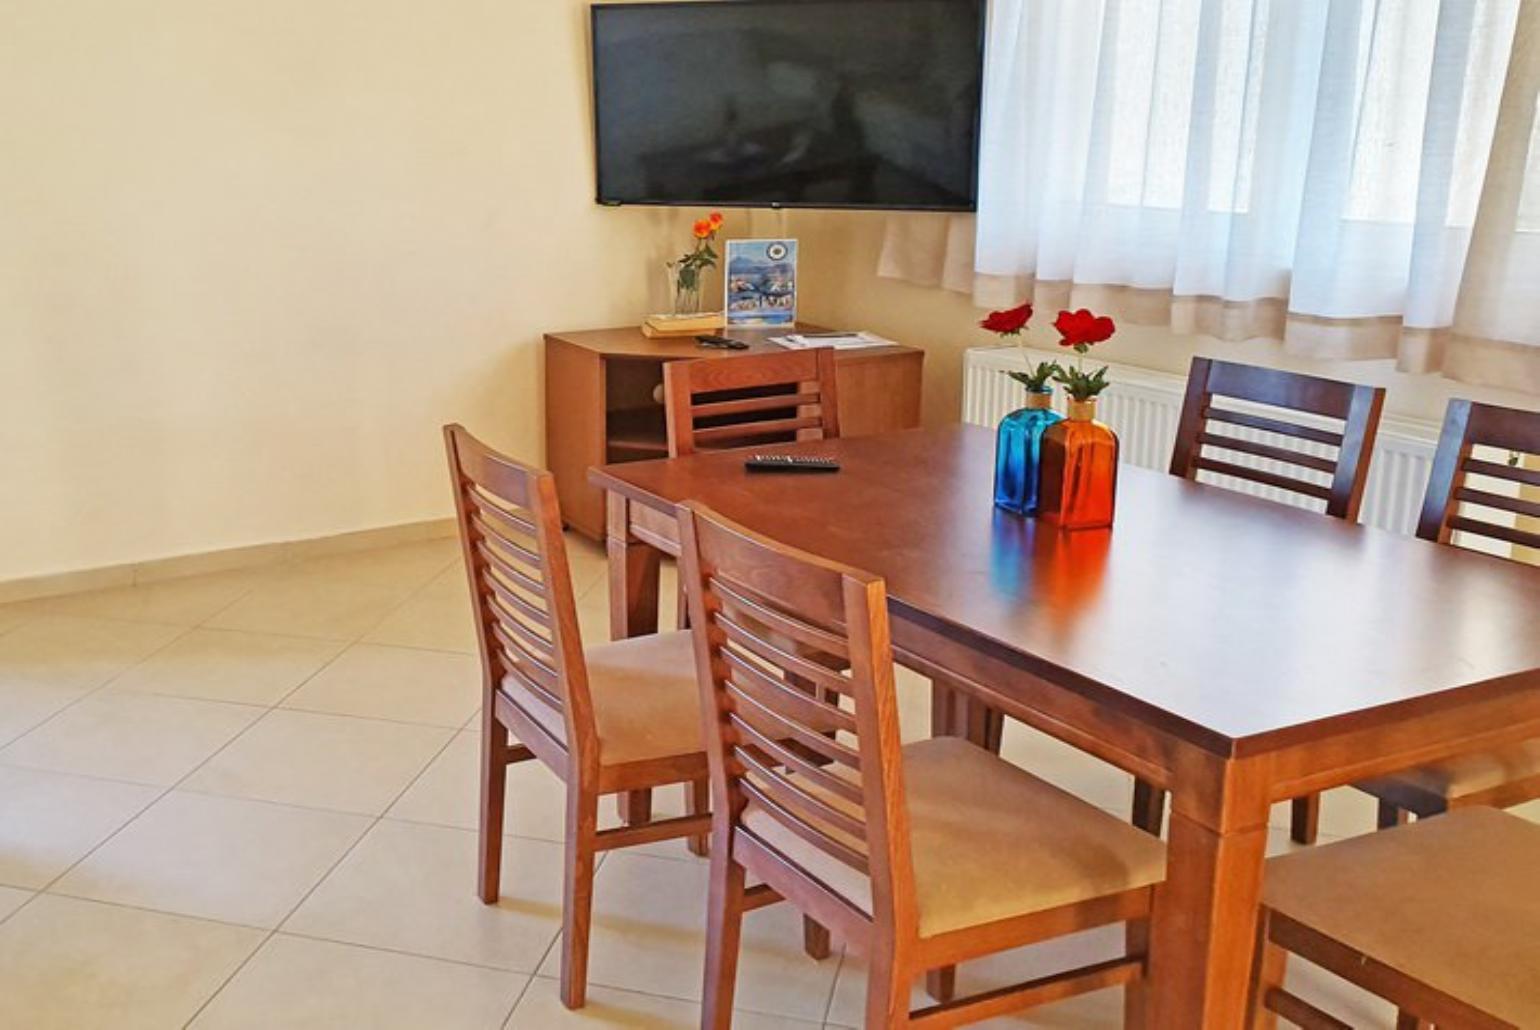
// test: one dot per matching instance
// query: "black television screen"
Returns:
(794, 103)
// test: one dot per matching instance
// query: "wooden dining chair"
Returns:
(694, 393)
(1327, 463)
(1321, 459)
(745, 400)
(1440, 918)
(750, 399)
(616, 718)
(917, 856)
(1466, 492)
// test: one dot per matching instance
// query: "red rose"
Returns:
(1080, 329)
(1008, 323)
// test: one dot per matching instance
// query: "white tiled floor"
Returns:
(248, 800)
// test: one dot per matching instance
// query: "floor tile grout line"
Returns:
(33, 896)
(347, 646)
(255, 572)
(507, 1019)
(698, 1002)
(371, 827)
(632, 853)
(299, 564)
(834, 985)
(404, 953)
(256, 583)
(185, 630)
(451, 728)
(133, 620)
(153, 911)
(99, 688)
(410, 596)
(335, 865)
(196, 768)
(158, 798)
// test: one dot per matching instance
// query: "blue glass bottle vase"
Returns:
(1018, 448)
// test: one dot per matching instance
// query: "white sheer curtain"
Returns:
(1359, 178)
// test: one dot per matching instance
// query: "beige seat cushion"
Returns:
(990, 841)
(1465, 775)
(1452, 901)
(646, 701)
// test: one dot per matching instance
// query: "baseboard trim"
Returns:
(223, 560)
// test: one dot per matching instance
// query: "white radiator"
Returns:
(1142, 407)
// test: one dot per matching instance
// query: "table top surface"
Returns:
(1235, 621)
(629, 342)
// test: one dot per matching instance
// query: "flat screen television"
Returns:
(789, 103)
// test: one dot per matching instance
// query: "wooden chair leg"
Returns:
(941, 984)
(1391, 815)
(1305, 819)
(1149, 808)
(943, 709)
(1407, 1021)
(634, 806)
(815, 939)
(724, 924)
(953, 713)
(697, 801)
(578, 894)
(986, 727)
(887, 990)
(494, 788)
(1272, 967)
(1136, 994)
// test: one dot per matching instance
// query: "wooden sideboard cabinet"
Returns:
(600, 404)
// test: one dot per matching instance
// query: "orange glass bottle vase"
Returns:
(1079, 470)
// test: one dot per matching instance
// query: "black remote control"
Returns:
(720, 342)
(790, 463)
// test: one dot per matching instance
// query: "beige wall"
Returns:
(253, 254)
(839, 252)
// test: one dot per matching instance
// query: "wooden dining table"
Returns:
(1233, 651)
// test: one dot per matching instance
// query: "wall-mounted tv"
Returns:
(789, 103)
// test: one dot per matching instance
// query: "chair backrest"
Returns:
(750, 399)
(1463, 482)
(521, 590)
(1325, 462)
(814, 749)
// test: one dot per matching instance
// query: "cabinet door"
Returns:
(574, 432)
(879, 393)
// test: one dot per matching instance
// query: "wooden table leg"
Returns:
(1206, 913)
(634, 569)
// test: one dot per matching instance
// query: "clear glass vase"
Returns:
(1018, 448)
(1079, 477)
(684, 289)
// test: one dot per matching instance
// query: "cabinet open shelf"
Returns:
(634, 434)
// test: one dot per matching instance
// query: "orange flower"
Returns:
(703, 229)
(716, 219)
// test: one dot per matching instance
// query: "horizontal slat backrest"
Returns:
(521, 587)
(751, 399)
(801, 724)
(1258, 441)
(1496, 496)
